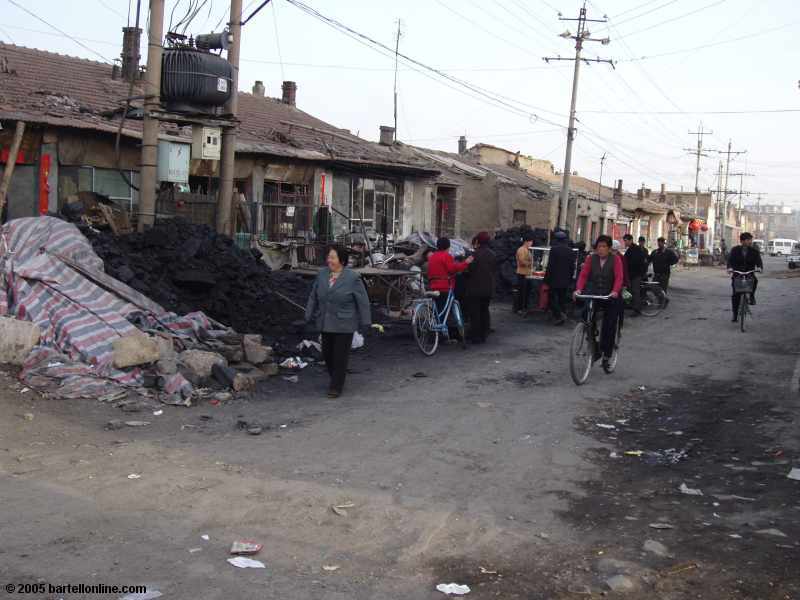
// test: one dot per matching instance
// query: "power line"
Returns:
(64, 33)
(277, 37)
(114, 10)
(486, 136)
(694, 112)
(652, 10)
(672, 20)
(635, 8)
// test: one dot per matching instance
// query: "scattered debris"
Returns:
(453, 589)
(794, 474)
(620, 583)
(724, 497)
(133, 350)
(17, 339)
(158, 413)
(656, 548)
(485, 571)
(246, 563)
(661, 526)
(606, 426)
(134, 476)
(358, 341)
(193, 550)
(137, 423)
(294, 362)
(28, 416)
(205, 537)
(341, 509)
(682, 568)
(420, 375)
(684, 489)
(330, 568)
(771, 531)
(245, 547)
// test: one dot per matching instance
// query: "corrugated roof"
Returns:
(45, 87)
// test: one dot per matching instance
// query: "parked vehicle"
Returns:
(780, 246)
(759, 244)
(793, 260)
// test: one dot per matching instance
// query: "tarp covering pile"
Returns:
(50, 275)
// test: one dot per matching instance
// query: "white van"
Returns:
(780, 246)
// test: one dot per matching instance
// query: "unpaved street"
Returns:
(486, 467)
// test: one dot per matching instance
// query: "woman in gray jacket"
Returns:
(338, 306)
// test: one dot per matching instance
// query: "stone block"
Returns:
(254, 351)
(17, 339)
(200, 362)
(133, 350)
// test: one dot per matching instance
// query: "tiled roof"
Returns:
(44, 87)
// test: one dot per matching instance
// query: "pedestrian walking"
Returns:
(524, 273)
(643, 244)
(559, 275)
(338, 306)
(636, 262)
(480, 288)
(662, 259)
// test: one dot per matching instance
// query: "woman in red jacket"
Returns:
(603, 274)
(442, 270)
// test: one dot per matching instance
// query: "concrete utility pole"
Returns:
(698, 153)
(224, 221)
(600, 183)
(149, 163)
(19, 133)
(396, 56)
(581, 36)
(727, 171)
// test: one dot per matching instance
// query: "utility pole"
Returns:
(698, 153)
(719, 196)
(152, 102)
(727, 170)
(600, 183)
(581, 36)
(224, 221)
(396, 55)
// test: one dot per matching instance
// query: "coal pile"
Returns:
(185, 268)
(505, 246)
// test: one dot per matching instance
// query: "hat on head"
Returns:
(482, 238)
(560, 235)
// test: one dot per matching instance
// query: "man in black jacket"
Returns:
(662, 259)
(743, 258)
(480, 289)
(636, 260)
(559, 275)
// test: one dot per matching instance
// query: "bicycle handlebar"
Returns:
(744, 272)
(590, 297)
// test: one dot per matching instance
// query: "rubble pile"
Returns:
(186, 268)
(505, 245)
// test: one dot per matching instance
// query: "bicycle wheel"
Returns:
(743, 309)
(581, 354)
(652, 301)
(397, 296)
(423, 324)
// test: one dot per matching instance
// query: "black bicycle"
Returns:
(743, 286)
(585, 346)
(652, 295)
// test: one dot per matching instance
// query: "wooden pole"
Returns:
(12, 160)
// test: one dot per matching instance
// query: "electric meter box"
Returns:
(206, 142)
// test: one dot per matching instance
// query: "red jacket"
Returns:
(442, 269)
(619, 274)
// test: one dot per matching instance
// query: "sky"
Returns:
(677, 63)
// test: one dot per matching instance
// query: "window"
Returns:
(594, 231)
(520, 217)
(583, 223)
(374, 206)
(107, 182)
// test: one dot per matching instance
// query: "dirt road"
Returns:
(484, 467)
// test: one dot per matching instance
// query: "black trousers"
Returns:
(663, 279)
(636, 293)
(523, 293)
(478, 318)
(336, 353)
(735, 298)
(558, 302)
(611, 309)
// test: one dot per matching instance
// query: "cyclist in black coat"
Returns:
(743, 258)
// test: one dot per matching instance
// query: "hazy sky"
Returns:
(498, 45)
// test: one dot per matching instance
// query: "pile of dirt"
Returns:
(505, 245)
(185, 268)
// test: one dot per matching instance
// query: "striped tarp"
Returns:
(50, 275)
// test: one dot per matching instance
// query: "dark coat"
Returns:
(739, 262)
(560, 272)
(343, 308)
(662, 260)
(636, 260)
(481, 274)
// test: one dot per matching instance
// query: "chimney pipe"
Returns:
(387, 135)
(462, 144)
(619, 185)
(289, 93)
(131, 38)
(259, 89)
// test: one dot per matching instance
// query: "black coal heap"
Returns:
(185, 267)
(505, 246)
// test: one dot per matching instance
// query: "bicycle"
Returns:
(653, 298)
(584, 345)
(428, 323)
(743, 287)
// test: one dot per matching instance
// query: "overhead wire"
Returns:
(652, 10)
(672, 20)
(61, 31)
(114, 10)
(277, 37)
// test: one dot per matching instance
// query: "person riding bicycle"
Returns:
(743, 258)
(602, 274)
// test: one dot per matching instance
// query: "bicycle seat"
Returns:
(432, 294)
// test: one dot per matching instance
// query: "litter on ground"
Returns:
(453, 589)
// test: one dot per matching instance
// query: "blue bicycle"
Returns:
(428, 323)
